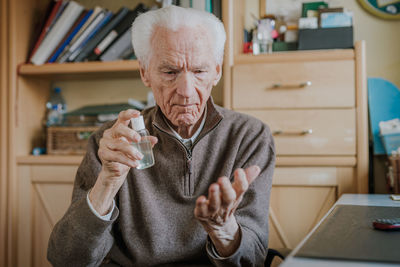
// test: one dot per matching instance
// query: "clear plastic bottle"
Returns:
(56, 107)
(144, 145)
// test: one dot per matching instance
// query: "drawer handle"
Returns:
(303, 132)
(291, 86)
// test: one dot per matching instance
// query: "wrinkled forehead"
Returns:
(186, 43)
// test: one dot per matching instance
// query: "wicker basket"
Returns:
(68, 140)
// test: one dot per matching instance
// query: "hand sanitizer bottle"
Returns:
(144, 145)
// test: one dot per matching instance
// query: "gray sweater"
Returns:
(153, 222)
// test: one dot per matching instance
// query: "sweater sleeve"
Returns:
(252, 213)
(81, 238)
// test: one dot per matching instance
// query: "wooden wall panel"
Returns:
(3, 130)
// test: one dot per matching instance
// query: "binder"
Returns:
(91, 45)
(117, 32)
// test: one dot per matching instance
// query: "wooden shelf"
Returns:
(50, 159)
(122, 68)
(299, 55)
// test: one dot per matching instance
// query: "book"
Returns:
(113, 35)
(75, 45)
(68, 37)
(216, 8)
(118, 47)
(64, 4)
(208, 6)
(91, 45)
(57, 32)
(103, 22)
(55, 5)
(185, 3)
(199, 5)
(96, 11)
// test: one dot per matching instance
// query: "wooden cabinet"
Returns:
(44, 194)
(4, 73)
(315, 104)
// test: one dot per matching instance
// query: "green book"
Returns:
(312, 6)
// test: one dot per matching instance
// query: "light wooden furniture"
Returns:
(45, 192)
(305, 185)
(4, 72)
(39, 187)
(315, 105)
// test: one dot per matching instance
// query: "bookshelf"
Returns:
(96, 68)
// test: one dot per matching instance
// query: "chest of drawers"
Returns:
(315, 104)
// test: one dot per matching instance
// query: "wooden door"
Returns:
(300, 197)
(44, 196)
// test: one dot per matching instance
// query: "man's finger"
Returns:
(153, 140)
(122, 130)
(214, 199)
(121, 146)
(227, 192)
(116, 156)
(126, 115)
(251, 173)
(240, 184)
(201, 209)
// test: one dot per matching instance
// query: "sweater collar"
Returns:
(212, 119)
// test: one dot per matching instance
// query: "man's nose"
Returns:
(185, 85)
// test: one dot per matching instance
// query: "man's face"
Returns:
(182, 71)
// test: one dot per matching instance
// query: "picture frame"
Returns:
(384, 9)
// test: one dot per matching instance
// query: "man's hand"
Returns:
(117, 156)
(216, 214)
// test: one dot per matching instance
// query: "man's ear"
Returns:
(218, 69)
(144, 74)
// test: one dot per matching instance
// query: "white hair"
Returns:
(174, 18)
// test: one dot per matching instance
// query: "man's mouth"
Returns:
(185, 105)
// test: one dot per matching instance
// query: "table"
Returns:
(346, 199)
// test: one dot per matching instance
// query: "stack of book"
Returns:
(73, 34)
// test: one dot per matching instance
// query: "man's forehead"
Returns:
(172, 48)
(194, 35)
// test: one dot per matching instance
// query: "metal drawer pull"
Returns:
(304, 132)
(291, 86)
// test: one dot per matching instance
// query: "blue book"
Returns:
(69, 38)
(103, 22)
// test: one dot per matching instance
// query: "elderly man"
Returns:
(205, 201)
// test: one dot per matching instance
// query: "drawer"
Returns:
(332, 131)
(305, 176)
(331, 84)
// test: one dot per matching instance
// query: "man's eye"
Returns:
(170, 72)
(199, 71)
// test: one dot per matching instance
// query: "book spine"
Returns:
(71, 35)
(46, 27)
(117, 31)
(91, 45)
(75, 54)
(62, 26)
(118, 47)
(65, 55)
